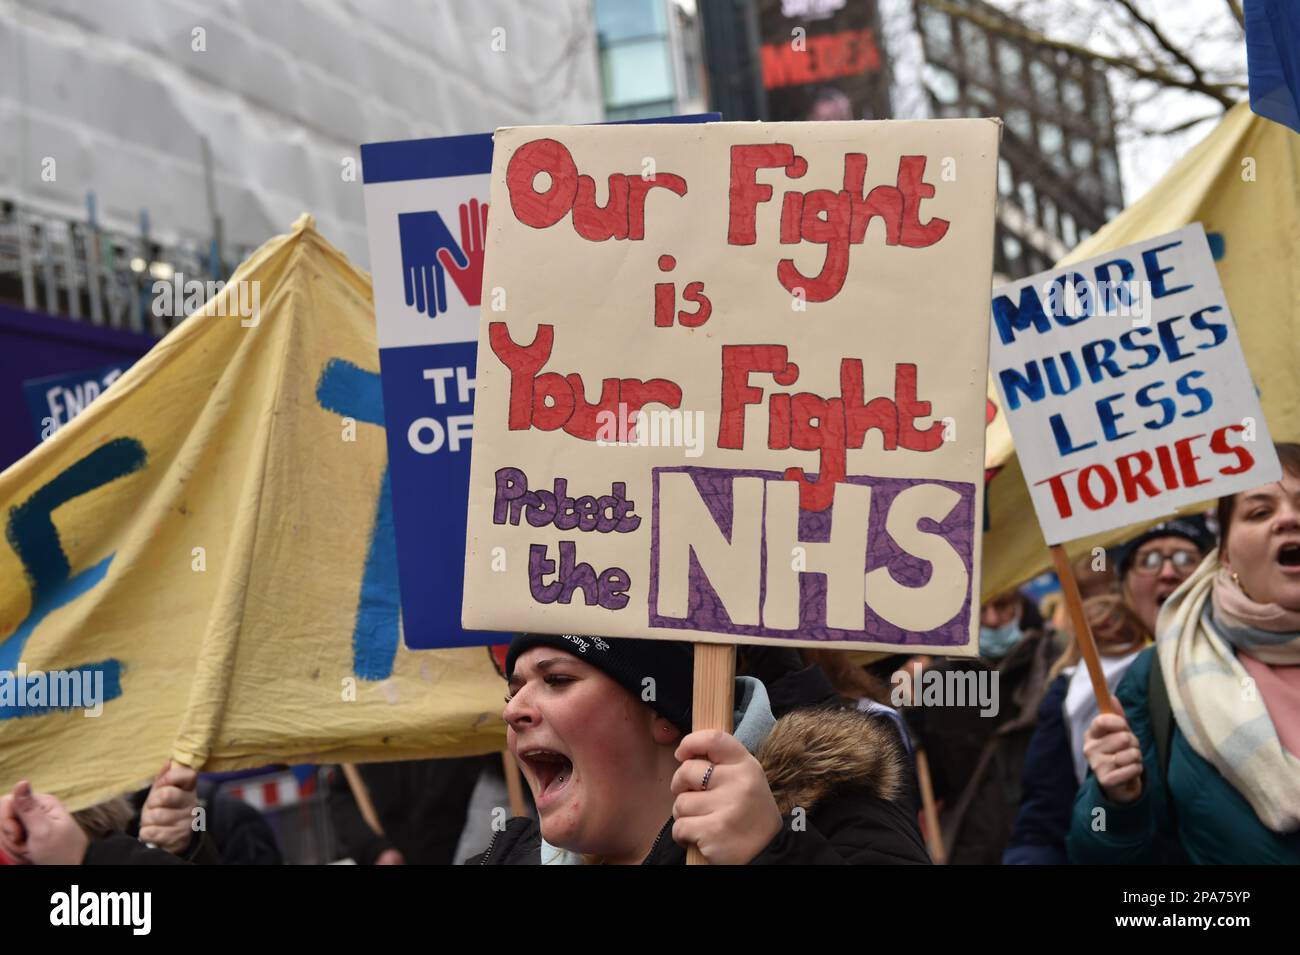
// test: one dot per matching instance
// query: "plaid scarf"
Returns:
(1215, 702)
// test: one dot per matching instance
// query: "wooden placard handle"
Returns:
(714, 699)
(933, 834)
(1082, 632)
(362, 797)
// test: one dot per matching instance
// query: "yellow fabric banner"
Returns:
(1242, 182)
(206, 553)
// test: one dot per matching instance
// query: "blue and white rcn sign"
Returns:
(426, 215)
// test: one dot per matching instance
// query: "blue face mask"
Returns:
(996, 642)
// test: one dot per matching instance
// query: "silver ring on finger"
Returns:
(708, 774)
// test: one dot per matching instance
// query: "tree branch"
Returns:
(1156, 74)
(1163, 40)
(1179, 127)
(1235, 7)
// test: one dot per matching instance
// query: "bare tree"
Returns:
(1148, 49)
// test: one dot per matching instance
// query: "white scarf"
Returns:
(1081, 703)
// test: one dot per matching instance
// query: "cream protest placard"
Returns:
(731, 383)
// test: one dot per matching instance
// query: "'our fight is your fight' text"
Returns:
(802, 551)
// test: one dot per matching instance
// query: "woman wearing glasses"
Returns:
(1204, 765)
(1151, 567)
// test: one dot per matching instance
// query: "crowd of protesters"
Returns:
(1197, 622)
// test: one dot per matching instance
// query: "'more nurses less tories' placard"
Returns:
(731, 383)
(1125, 387)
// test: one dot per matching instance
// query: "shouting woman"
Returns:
(600, 727)
(1204, 764)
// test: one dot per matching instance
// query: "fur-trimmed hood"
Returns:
(811, 754)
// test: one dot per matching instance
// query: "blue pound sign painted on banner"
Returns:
(35, 539)
(345, 389)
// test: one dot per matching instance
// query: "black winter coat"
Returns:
(421, 805)
(1048, 789)
(121, 849)
(846, 771)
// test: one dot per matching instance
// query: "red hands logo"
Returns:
(473, 233)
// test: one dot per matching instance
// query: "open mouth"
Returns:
(1288, 555)
(552, 769)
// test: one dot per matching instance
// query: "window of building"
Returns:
(618, 20)
(1011, 64)
(1011, 249)
(1087, 184)
(942, 83)
(637, 72)
(1006, 182)
(1028, 199)
(1081, 153)
(1050, 139)
(1048, 214)
(1109, 170)
(635, 58)
(1100, 103)
(1072, 95)
(985, 97)
(975, 50)
(937, 28)
(1069, 233)
(1018, 122)
(1043, 81)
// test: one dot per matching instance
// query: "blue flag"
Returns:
(1273, 60)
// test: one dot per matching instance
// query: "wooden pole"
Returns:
(933, 836)
(1082, 632)
(514, 785)
(714, 699)
(362, 795)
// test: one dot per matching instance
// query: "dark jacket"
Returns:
(846, 772)
(1210, 822)
(976, 761)
(1048, 787)
(121, 849)
(235, 833)
(421, 806)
